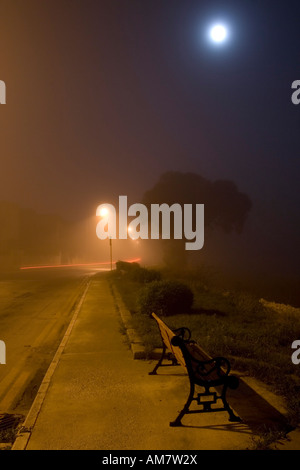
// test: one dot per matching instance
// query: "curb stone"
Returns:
(136, 344)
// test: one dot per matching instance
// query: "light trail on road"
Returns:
(136, 260)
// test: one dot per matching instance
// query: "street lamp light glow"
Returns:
(130, 233)
(103, 211)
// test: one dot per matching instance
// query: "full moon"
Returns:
(218, 33)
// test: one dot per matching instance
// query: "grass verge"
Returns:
(255, 338)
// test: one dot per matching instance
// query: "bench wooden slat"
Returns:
(167, 335)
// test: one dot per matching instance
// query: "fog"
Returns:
(104, 98)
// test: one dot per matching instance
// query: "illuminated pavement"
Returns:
(99, 398)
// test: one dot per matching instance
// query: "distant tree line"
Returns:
(226, 208)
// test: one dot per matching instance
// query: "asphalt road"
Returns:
(36, 307)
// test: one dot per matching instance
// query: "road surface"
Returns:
(36, 307)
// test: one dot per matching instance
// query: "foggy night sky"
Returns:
(104, 96)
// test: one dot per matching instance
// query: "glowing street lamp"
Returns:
(129, 230)
(104, 212)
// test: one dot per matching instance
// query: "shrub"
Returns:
(134, 272)
(126, 267)
(144, 275)
(165, 298)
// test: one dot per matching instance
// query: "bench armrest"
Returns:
(220, 365)
(209, 369)
(183, 333)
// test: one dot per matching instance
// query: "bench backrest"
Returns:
(167, 334)
(188, 353)
(197, 352)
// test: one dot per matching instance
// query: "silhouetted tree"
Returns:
(225, 207)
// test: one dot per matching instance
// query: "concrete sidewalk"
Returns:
(100, 398)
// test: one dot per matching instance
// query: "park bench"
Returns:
(203, 371)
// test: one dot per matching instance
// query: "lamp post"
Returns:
(110, 249)
(104, 212)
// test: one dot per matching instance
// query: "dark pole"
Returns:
(110, 245)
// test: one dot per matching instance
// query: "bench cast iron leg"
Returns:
(232, 416)
(185, 409)
(159, 362)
